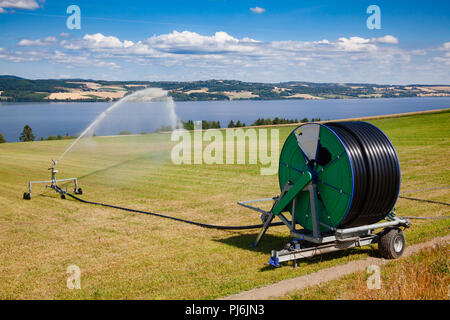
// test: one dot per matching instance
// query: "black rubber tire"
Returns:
(391, 243)
(63, 196)
(79, 191)
(26, 196)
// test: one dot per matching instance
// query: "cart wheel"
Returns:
(26, 196)
(63, 196)
(391, 243)
(79, 191)
(290, 246)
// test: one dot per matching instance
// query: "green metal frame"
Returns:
(334, 180)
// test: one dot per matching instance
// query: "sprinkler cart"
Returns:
(54, 184)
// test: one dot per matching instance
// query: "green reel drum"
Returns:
(355, 169)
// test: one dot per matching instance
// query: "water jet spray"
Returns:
(145, 95)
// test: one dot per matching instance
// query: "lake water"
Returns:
(73, 117)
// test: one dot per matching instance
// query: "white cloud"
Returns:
(193, 43)
(222, 49)
(363, 44)
(98, 40)
(257, 10)
(38, 42)
(446, 46)
(50, 39)
(80, 60)
(187, 44)
(445, 58)
(220, 55)
(18, 4)
(419, 52)
(30, 43)
(386, 39)
(354, 44)
(21, 56)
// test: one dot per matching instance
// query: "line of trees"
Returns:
(238, 124)
(189, 125)
(57, 137)
(27, 133)
(274, 121)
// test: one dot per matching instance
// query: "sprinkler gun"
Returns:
(53, 184)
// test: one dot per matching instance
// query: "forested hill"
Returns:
(14, 88)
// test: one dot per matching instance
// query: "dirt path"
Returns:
(325, 275)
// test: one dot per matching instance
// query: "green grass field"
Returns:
(124, 255)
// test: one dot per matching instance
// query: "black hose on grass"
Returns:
(425, 200)
(427, 218)
(211, 226)
(203, 225)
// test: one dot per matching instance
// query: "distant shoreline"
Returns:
(15, 89)
(235, 100)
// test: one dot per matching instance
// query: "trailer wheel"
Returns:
(79, 191)
(27, 196)
(63, 196)
(391, 243)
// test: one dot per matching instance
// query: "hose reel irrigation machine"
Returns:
(338, 181)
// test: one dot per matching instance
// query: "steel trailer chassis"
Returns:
(311, 243)
(53, 184)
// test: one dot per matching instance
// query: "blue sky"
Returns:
(266, 41)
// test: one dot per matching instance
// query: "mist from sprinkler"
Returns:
(145, 95)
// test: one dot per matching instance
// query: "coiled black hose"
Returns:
(376, 172)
